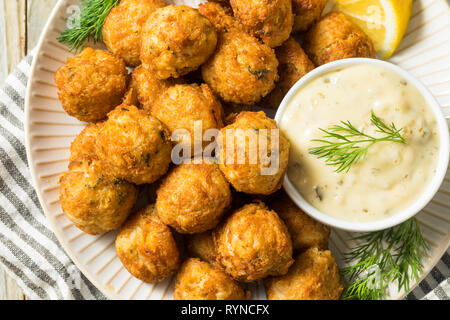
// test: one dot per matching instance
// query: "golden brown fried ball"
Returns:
(313, 276)
(269, 20)
(193, 198)
(123, 26)
(202, 246)
(93, 202)
(147, 247)
(305, 231)
(253, 243)
(240, 155)
(131, 97)
(198, 280)
(149, 87)
(91, 84)
(83, 146)
(176, 40)
(242, 70)
(134, 145)
(336, 37)
(186, 107)
(294, 64)
(306, 13)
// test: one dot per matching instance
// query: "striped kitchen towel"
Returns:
(30, 252)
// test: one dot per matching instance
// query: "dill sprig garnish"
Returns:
(348, 145)
(92, 18)
(392, 255)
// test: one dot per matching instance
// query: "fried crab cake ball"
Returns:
(187, 107)
(336, 37)
(294, 64)
(221, 15)
(269, 20)
(253, 243)
(91, 84)
(134, 145)
(202, 246)
(93, 202)
(149, 87)
(147, 248)
(123, 26)
(244, 162)
(198, 280)
(305, 231)
(242, 70)
(193, 198)
(83, 146)
(313, 276)
(306, 13)
(176, 40)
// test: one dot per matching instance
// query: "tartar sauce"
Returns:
(393, 174)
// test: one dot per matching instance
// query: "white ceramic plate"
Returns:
(425, 52)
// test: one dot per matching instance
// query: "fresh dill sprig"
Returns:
(345, 145)
(383, 257)
(92, 18)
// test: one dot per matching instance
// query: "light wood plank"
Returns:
(38, 14)
(12, 50)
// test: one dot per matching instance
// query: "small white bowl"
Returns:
(430, 190)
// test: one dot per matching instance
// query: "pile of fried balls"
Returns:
(215, 226)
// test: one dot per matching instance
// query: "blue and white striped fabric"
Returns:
(30, 252)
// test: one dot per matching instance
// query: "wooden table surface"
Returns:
(21, 23)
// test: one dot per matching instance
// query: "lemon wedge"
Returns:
(384, 21)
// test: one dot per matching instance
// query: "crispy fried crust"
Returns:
(249, 177)
(123, 26)
(294, 64)
(242, 70)
(91, 84)
(93, 202)
(269, 20)
(185, 107)
(176, 40)
(149, 87)
(131, 97)
(147, 247)
(313, 276)
(220, 15)
(336, 37)
(305, 231)
(198, 280)
(193, 198)
(134, 145)
(253, 243)
(306, 13)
